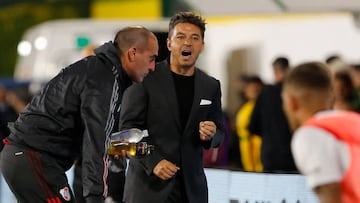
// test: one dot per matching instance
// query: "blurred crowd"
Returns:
(258, 135)
(14, 96)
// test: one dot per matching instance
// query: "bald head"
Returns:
(137, 36)
(138, 48)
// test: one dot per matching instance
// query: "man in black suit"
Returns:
(269, 122)
(180, 106)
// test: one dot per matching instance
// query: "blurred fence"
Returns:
(227, 186)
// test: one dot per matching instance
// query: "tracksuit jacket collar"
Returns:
(109, 51)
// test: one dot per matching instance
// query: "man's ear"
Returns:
(293, 102)
(131, 53)
(289, 101)
(168, 44)
(202, 48)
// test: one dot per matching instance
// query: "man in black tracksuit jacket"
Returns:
(74, 115)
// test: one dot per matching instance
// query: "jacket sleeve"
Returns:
(216, 115)
(133, 114)
(94, 113)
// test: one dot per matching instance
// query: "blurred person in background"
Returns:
(7, 114)
(343, 91)
(336, 63)
(249, 144)
(346, 83)
(74, 114)
(180, 106)
(269, 122)
(354, 71)
(355, 75)
(241, 88)
(234, 157)
(18, 98)
(326, 143)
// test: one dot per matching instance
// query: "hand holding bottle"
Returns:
(120, 149)
(126, 143)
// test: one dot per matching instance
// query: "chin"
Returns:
(187, 65)
(138, 80)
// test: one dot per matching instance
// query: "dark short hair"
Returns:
(312, 76)
(254, 79)
(332, 58)
(281, 63)
(187, 17)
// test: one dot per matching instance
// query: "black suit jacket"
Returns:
(153, 105)
(269, 121)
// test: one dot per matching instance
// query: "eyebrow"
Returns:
(194, 34)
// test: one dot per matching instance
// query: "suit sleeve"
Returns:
(133, 108)
(133, 114)
(216, 115)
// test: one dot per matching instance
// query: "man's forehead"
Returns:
(186, 28)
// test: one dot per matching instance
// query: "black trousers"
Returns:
(34, 176)
(77, 183)
(178, 193)
(116, 183)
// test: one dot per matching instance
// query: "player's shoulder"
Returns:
(311, 133)
(311, 139)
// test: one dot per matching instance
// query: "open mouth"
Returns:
(186, 53)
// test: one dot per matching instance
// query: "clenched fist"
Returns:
(207, 130)
(165, 169)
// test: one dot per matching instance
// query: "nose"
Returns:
(187, 42)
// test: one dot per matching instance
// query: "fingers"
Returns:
(165, 170)
(207, 130)
(123, 154)
(204, 137)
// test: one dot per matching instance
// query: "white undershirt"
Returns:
(319, 156)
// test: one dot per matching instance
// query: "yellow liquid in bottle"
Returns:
(116, 147)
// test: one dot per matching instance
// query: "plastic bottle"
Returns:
(129, 140)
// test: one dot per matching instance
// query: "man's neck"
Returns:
(188, 71)
(307, 114)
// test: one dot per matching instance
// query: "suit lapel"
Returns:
(196, 100)
(170, 92)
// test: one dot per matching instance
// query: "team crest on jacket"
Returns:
(65, 193)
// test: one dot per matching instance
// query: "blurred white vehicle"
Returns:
(48, 47)
(233, 45)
